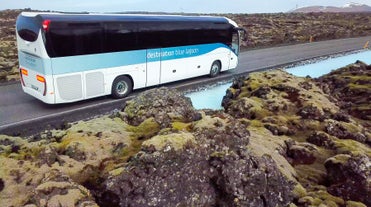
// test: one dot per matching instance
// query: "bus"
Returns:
(71, 57)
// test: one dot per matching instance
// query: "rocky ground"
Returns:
(8, 47)
(263, 30)
(266, 30)
(280, 141)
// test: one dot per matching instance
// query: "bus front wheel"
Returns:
(121, 87)
(215, 69)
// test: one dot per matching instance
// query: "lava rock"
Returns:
(48, 155)
(337, 129)
(321, 139)
(57, 189)
(311, 112)
(349, 177)
(163, 104)
(217, 171)
(300, 153)
(350, 86)
(2, 184)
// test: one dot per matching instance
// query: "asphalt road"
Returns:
(21, 114)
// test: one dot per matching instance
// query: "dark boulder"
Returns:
(340, 130)
(349, 177)
(300, 153)
(163, 104)
(217, 171)
(321, 139)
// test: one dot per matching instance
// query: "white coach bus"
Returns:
(71, 57)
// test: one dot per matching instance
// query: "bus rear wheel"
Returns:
(215, 69)
(121, 87)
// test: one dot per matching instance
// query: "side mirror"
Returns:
(242, 32)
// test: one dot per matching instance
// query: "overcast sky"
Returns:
(192, 6)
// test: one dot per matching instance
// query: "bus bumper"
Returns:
(48, 98)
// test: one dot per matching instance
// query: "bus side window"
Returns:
(75, 39)
(120, 36)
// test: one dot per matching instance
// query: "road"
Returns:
(21, 114)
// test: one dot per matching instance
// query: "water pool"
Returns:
(320, 68)
(211, 97)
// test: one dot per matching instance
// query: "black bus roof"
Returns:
(67, 17)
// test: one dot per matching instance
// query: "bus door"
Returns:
(153, 67)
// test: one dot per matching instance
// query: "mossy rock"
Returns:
(147, 129)
(165, 105)
(175, 141)
(54, 182)
(354, 204)
(180, 126)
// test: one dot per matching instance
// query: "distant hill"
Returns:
(351, 7)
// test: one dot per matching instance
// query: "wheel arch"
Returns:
(129, 83)
(220, 63)
(124, 75)
(213, 73)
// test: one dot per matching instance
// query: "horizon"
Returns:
(175, 6)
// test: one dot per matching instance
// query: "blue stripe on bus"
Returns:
(81, 63)
(34, 63)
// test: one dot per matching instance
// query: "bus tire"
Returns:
(121, 87)
(215, 69)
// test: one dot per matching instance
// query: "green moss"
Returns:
(218, 154)
(309, 174)
(256, 123)
(355, 78)
(117, 171)
(147, 129)
(26, 151)
(299, 191)
(253, 82)
(348, 146)
(132, 111)
(131, 150)
(30, 153)
(362, 107)
(176, 141)
(66, 142)
(245, 92)
(232, 90)
(341, 158)
(323, 197)
(180, 126)
(208, 122)
(354, 204)
(365, 87)
(310, 200)
(351, 127)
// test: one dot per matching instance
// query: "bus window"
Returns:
(27, 28)
(235, 43)
(75, 39)
(120, 37)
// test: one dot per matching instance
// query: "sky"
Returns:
(187, 6)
